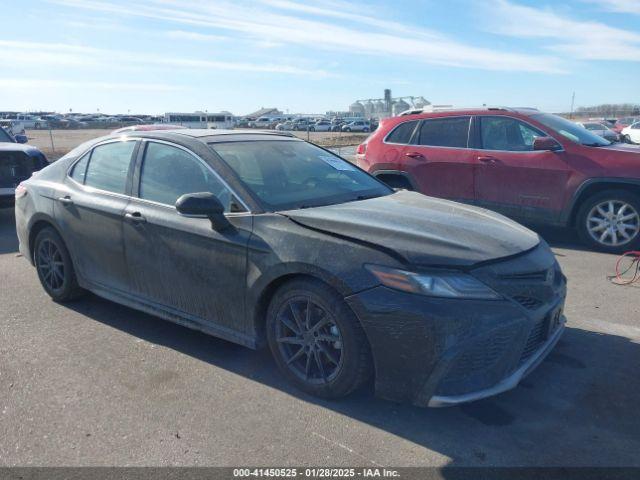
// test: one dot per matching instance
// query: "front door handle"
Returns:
(415, 155)
(66, 200)
(135, 218)
(487, 159)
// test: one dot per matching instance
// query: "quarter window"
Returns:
(445, 132)
(109, 166)
(402, 133)
(169, 172)
(508, 134)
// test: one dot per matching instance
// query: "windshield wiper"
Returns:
(363, 197)
(596, 144)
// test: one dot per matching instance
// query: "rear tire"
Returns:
(54, 266)
(316, 340)
(606, 219)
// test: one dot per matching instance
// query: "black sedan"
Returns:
(263, 238)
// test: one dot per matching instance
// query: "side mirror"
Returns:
(546, 143)
(203, 205)
(21, 138)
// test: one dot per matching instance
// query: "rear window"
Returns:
(445, 132)
(402, 133)
(109, 166)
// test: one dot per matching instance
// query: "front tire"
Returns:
(55, 269)
(610, 221)
(316, 340)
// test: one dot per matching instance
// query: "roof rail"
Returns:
(429, 109)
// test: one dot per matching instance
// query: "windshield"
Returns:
(287, 174)
(570, 130)
(4, 136)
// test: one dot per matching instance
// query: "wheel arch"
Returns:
(592, 187)
(399, 174)
(37, 224)
(263, 293)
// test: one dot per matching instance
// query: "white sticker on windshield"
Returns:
(337, 163)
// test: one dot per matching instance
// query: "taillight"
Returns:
(362, 149)
(21, 191)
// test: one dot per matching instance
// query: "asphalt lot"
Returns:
(94, 383)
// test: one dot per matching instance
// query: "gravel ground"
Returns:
(94, 383)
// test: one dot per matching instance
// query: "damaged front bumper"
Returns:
(507, 383)
(439, 352)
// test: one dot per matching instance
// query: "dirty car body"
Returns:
(457, 303)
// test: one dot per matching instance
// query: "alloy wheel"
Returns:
(50, 264)
(613, 223)
(309, 340)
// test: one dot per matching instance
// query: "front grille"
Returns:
(539, 276)
(527, 302)
(535, 340)
(481, 357)
(480, 366)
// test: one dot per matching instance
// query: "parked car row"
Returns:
(323, 125)
(72, 120)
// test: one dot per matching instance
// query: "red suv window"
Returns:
(445, 132)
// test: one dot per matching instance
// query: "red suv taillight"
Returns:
(21, 191)
(362, 149)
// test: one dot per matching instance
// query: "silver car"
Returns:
(601, 130)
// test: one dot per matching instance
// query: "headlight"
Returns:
(440, 284)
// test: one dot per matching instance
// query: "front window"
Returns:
(169, 172)
(570, 130)
(287, 174)
(507, 134)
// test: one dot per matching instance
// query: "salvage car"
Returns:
(532, 166)
(262, 238)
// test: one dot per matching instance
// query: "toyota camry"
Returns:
(264, 239)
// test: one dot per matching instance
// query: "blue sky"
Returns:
(183, 55)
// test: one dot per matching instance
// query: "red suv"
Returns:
(535, 167)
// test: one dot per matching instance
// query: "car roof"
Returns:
(213, 135)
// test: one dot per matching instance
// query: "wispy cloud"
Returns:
(200, 37)
(79, 55)
(34, 83)
(586, 40)
(619, 6)
(295, 23)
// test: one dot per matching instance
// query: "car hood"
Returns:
(422, 230)
(620, 147)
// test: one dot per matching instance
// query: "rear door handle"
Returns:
(416, 155)
(135, 217)
(487, 159)
(66, 201)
